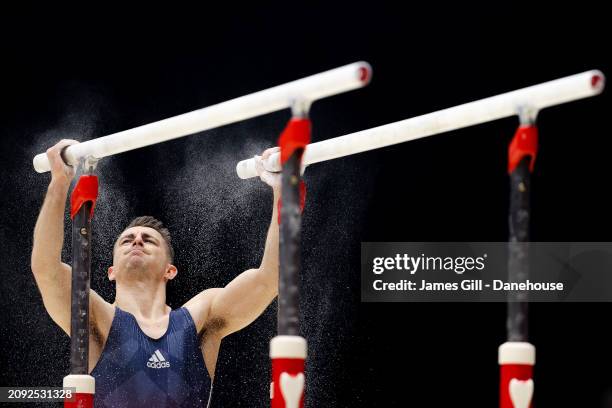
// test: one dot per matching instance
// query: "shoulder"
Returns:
(199, 309)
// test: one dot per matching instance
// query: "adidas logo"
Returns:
(157, 360)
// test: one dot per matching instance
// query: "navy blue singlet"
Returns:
(135, 370)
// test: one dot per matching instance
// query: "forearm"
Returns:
(269, 267)
(49, 229)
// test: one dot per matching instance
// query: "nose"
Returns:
(138, 241)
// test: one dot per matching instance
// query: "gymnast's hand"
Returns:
(270, 178)
(60, 171)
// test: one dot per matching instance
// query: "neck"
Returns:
(145, 300)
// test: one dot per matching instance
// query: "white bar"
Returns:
(307, 90)
(535, 98)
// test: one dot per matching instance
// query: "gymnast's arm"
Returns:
(53, 277)
(229, 309)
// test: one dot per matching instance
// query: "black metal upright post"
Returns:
(81, 272)
(289, 295)
(518, 257)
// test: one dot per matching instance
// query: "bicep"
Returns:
(54, 285)
(242, 301)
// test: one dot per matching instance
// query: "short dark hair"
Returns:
(157, 225)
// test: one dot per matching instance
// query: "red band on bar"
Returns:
(524, 143)
(85, 190)
(296, 136)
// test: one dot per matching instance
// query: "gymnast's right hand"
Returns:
(60, 171)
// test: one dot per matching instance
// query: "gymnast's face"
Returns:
(140, 253)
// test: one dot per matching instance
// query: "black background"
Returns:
(86, 73)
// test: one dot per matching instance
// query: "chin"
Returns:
(135, 264)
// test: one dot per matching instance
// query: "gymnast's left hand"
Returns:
(272, 179)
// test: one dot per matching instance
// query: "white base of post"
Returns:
(288, 347)
(85, 386)
(516, 352)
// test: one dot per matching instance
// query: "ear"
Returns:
(171, 272)
(111, 273)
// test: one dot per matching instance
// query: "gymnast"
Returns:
(142, 353)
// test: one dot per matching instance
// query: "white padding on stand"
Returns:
(517, 353)
(84, 384)
(288, 347)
